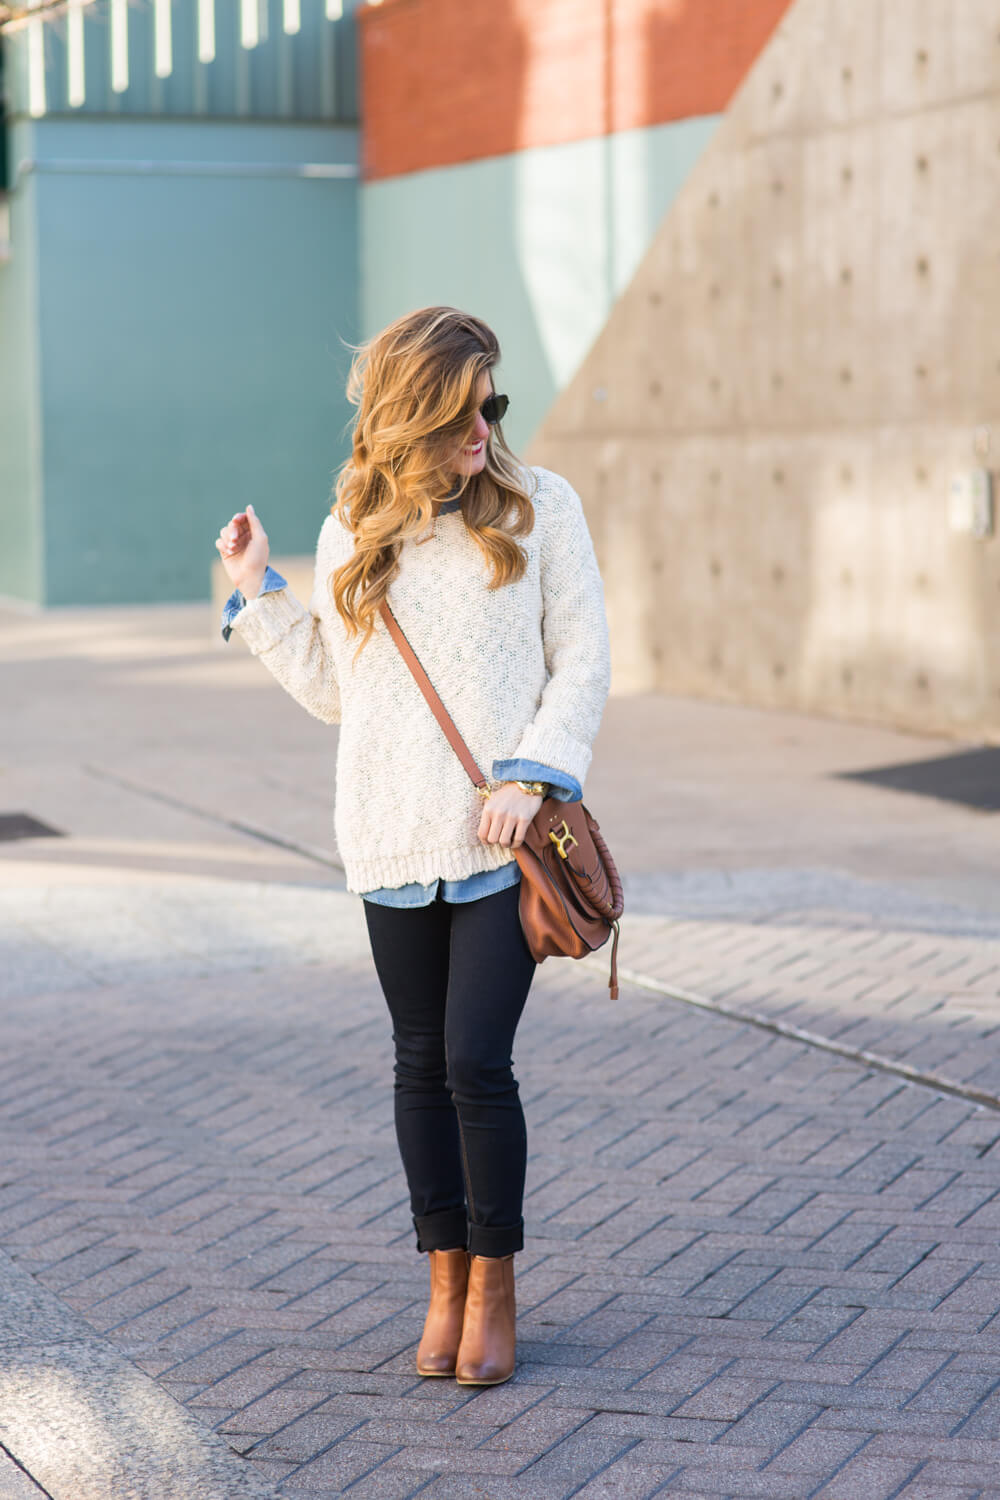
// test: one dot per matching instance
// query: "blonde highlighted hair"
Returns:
(415, 386)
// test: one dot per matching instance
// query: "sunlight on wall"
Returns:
(585, 214)
(629, 585)
(885, 597)
(562, 250)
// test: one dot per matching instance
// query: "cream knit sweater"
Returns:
(523, 670)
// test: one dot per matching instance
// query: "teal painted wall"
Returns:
(20, 403)
(540, 243)
(173, 315)
(191, 322)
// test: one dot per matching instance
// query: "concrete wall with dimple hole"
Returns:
(192, 332)
(539, 243)
(803, 360)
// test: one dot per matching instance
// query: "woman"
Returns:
(490, 572)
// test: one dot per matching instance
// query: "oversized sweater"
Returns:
(523, 670)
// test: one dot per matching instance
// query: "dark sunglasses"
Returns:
(494, 409)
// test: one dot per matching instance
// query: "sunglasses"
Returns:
(494, 409)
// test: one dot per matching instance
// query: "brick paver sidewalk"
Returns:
(752, 1269)
(928, 1000)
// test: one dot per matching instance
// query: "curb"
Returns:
(79, 1421)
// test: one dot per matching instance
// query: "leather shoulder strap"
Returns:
(434, 703)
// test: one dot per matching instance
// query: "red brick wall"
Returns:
(454, 80)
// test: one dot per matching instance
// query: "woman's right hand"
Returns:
(244, 550)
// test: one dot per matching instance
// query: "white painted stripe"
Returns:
(206, 31)
(163, 44)
(249, 23)
(292, 18)
(36, 66)
(119, 45)
(76, 85)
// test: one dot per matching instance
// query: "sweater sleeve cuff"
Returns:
(564, 788)
(265, 621)
(553, 747)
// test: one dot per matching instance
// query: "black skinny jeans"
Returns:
(455, 977)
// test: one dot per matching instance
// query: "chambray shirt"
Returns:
(484, 882)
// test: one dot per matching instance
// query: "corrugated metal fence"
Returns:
(230, 59)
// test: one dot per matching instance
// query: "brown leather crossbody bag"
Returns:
(571, 895)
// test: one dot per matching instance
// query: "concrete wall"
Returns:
(194, 289)
(540, 243)
(518, 158)
(766, 429)
(20, 403)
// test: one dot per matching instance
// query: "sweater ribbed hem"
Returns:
(372, 873)
(553, 747)
(265, 621)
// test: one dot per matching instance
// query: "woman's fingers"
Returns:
(235, 537)
(489, 828)
(242, 547)
(507, 816)
(500, 829)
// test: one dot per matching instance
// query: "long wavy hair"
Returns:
(415, 386)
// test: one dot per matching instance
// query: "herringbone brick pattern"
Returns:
(752, 1270)
(929, 1000)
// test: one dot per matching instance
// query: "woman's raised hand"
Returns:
(244, 549)
(507, 815)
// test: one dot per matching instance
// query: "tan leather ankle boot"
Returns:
(486, 1353)
(443, 1325)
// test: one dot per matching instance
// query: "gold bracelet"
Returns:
(533, 788)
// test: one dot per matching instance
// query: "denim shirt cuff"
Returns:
(272, 582)
(564, 787)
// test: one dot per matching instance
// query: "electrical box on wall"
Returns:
(970, 502)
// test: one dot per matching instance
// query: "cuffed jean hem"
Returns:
(496, 1243)
(447, 1230)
